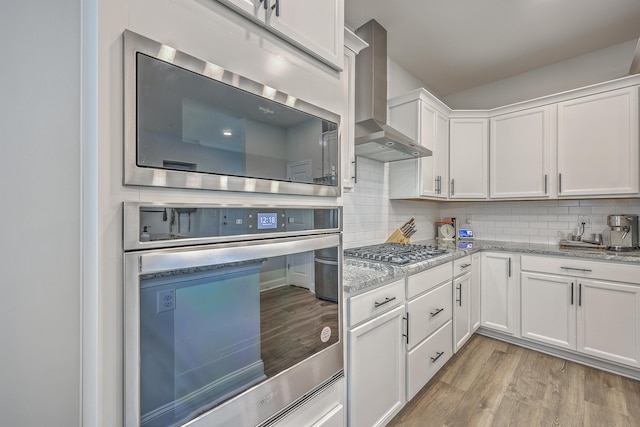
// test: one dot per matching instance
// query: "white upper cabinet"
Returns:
(468, 151)
(520, 154)
(421, 117)
(598, 144)
(353, 45)
(315, 27)
(254, 9)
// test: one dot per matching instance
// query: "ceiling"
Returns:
(456, 45)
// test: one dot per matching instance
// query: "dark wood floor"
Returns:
(492, 383)
(291, 321)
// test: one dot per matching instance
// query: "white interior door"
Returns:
(299, 171)
(300, 270)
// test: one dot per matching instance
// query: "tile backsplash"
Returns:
(370, 217)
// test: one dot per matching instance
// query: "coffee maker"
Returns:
(622, 234)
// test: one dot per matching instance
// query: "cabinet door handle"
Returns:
(438, 354)
(509, 268)
(459, 289)
(435, 313)
(559, 183)
(571, 293)
(407, 334)
(355, 170)
(452, 187)
(586, 270)
(276, 6)
(387, 300)
(264, 3)
(545, 184)
(579, 294)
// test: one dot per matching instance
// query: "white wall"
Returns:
(370, 217)
(595, 67)
(40, 170)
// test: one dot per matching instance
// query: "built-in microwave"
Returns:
(192, 124)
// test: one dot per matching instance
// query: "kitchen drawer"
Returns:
(461, 266)
(582, 268)
(427, 358)
(369, 304)
(425, 280)
(428, 312)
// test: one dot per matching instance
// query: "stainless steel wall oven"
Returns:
(193, 124)
(223, 324)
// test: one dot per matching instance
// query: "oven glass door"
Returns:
(208, 323)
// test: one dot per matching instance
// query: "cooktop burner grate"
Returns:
(395, 253)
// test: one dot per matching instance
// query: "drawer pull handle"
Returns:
(438, 311)
(438, 354)
(465, 265)
(386, 301)
(586, 270)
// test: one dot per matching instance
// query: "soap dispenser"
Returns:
(145, 237)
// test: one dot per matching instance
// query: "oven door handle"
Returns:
(155, 261)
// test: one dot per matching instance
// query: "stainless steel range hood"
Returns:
(374, 138)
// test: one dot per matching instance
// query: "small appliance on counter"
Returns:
(622, 234)
(465, 237)
(445, 230)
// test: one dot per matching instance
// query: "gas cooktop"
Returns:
(395, 253)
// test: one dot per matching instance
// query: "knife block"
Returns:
(398, 237)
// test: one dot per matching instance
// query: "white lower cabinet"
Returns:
(475, 291)
(462, 310)
(579, 311)
(394, 348)
(548, 309)
(498, 292)
(427, 358)
(609, 321)
(430, 325)
(463, 301)
(376, 357)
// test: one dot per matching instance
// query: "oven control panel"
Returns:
(162, 225)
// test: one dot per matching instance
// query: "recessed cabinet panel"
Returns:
(376, 375)
(427, 358)
(462, 310)
(469, 158)
(498, 292)
(609, 321)
(316, 27)
(428, 312)
(519, 154)
(548, 309)
(598, 144)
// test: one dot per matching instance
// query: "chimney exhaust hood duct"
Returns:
(374, 139)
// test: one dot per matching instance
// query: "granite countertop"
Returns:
(362, 275)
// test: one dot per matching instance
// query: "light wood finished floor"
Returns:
(492, 383)
(291, 323)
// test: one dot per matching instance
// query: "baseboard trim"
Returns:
(614, 368)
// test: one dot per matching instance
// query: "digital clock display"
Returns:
(267, 221)
(465, 233)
